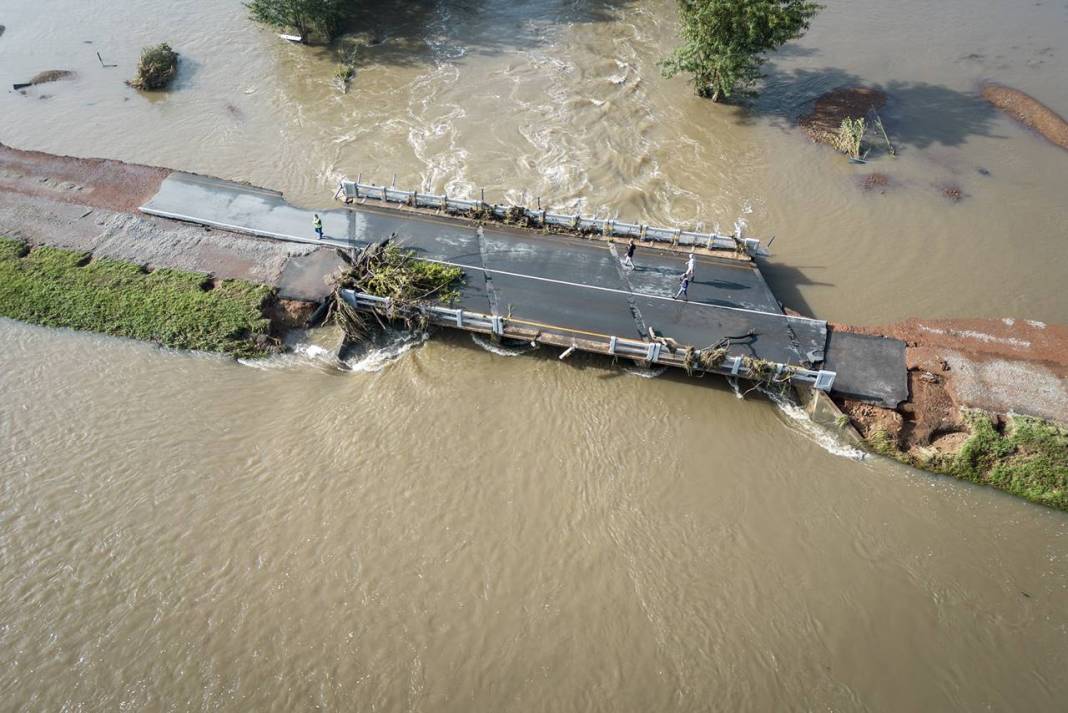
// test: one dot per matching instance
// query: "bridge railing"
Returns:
(354, 190)
(651, 352)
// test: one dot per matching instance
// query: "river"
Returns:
(454, 529)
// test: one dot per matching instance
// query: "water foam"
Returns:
(378, 358)
(500, 349)
(812, 431)
(643, 372)
(299, 354)
(369, 359)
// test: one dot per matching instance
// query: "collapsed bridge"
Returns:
(558, 279)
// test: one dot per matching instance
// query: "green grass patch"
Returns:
(1028, 458)
(881, 442)
(61, 288)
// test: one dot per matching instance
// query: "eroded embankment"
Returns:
(985, 401)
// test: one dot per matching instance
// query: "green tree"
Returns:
(308, 17)
(723, 41)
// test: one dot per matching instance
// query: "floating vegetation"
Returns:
(52, 75)
(409, 284)
(850, 137)
(953, 192)
(1028, 111)
(877, 121)
(158, 66)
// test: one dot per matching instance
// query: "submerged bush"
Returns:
(850, 136)
(157, 67)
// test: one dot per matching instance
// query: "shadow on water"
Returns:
(417, 33)
(917, 114)
(785, 281)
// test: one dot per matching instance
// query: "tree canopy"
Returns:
(320, 18)
(723, 41)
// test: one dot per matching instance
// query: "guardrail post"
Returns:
(736, 367)
(654, 352)
(460, 318)
(612, 346)
(497, 324)
(825, 380)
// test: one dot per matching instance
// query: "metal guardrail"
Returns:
(354, 190)
(652, 352)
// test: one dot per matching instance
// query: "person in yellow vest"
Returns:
(318, 223)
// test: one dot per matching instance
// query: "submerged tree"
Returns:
(307, 17)
(723, 41)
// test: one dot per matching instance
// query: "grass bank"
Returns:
(183, 310)
(1027, 457)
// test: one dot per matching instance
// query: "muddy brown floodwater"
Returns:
(444, 528)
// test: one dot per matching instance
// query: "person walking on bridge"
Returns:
(691, 264)
(684, 285)
(317, 223)
(628, 261)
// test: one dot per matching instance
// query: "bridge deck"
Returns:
(561, 283)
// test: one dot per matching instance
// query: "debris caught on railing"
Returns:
(407, 286)
(542, 219)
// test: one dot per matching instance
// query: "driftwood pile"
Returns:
(387, 270)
